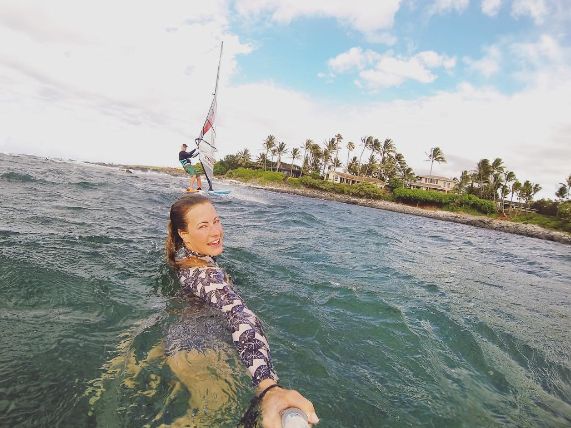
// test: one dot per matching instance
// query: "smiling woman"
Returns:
(195, 238)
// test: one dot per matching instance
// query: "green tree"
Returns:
(316, 155)
(497, 169)
(338, 139)
(528, 191)
(462, 183)
(483, 171)
(367, 143)
(562, 193)
(281, 149)
(435, 155)
(509, 176)
(353, 166)
(386, 149)
(273, 152)
(564, 190)
(515, 189)
(350, 148)
(294, 155)
(306, 149)
(244, 158)
(261, 160)
(269, 144)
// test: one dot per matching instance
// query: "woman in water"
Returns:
(195, 238)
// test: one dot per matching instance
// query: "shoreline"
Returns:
(529, 230)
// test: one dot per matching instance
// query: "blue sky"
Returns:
(294, 54)
(129, 82)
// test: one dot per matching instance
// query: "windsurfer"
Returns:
(185, 159)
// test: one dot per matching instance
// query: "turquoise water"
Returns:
(381, 319)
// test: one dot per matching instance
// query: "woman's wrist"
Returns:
(265, 384)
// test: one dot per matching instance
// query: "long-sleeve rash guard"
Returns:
(212, 285)
(184, 156)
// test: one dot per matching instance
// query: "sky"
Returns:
(130, 81)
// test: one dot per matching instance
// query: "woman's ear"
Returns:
(183, 234)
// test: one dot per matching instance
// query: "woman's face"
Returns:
(204, 234)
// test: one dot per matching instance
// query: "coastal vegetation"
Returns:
(490, 189)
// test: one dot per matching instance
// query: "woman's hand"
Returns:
(277, 400)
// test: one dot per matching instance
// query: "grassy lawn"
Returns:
(466, 204)
(545, 221)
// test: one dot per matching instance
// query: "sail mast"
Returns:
(207, 146)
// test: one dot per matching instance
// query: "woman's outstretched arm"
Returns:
(210, 284)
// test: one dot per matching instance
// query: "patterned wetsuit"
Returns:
(211, 284)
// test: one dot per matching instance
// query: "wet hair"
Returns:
(177, 221)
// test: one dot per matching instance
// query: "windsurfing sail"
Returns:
(206, 141)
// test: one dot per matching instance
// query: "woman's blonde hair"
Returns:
(177, 221)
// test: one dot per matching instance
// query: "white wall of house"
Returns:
(427, 182)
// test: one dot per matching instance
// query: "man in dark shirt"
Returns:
(184, 158)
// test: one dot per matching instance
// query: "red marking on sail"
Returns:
(209, 119)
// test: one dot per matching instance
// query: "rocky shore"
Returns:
(530, 230)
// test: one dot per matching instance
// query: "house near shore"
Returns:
(433, 182)
(286, 168)
(344, 178)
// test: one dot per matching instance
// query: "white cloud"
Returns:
(546, 50)
(377, 71)
(91, 85)
(103, 72)
(444, 6)
(367, 16)
(489, 64)
(535, 9)
(491, 7)
(354, 58)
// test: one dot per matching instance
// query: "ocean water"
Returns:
(380, 318)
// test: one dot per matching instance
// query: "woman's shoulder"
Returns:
(206, 272)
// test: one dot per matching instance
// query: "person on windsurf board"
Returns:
(185, 159)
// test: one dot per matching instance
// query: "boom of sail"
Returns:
(206, 141)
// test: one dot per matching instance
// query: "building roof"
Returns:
(436, 177)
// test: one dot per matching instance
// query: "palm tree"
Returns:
(280, 150)
(330, 148)
(565, 189)
(244, 157)
(497, 168)
(515, 189)
(294, 155)
(465, 178)
(509, 176)
(408, 175)
(371, 164)
(353, 166)
(273, 152)
(338, 139)
(483, 171)
(435, 155)
(528, 191)
(325, 157)
(269, 144)
(367, 142)
(387, 149)
(350, 148)
(316, 157)
(306, 148)
(261, 159)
